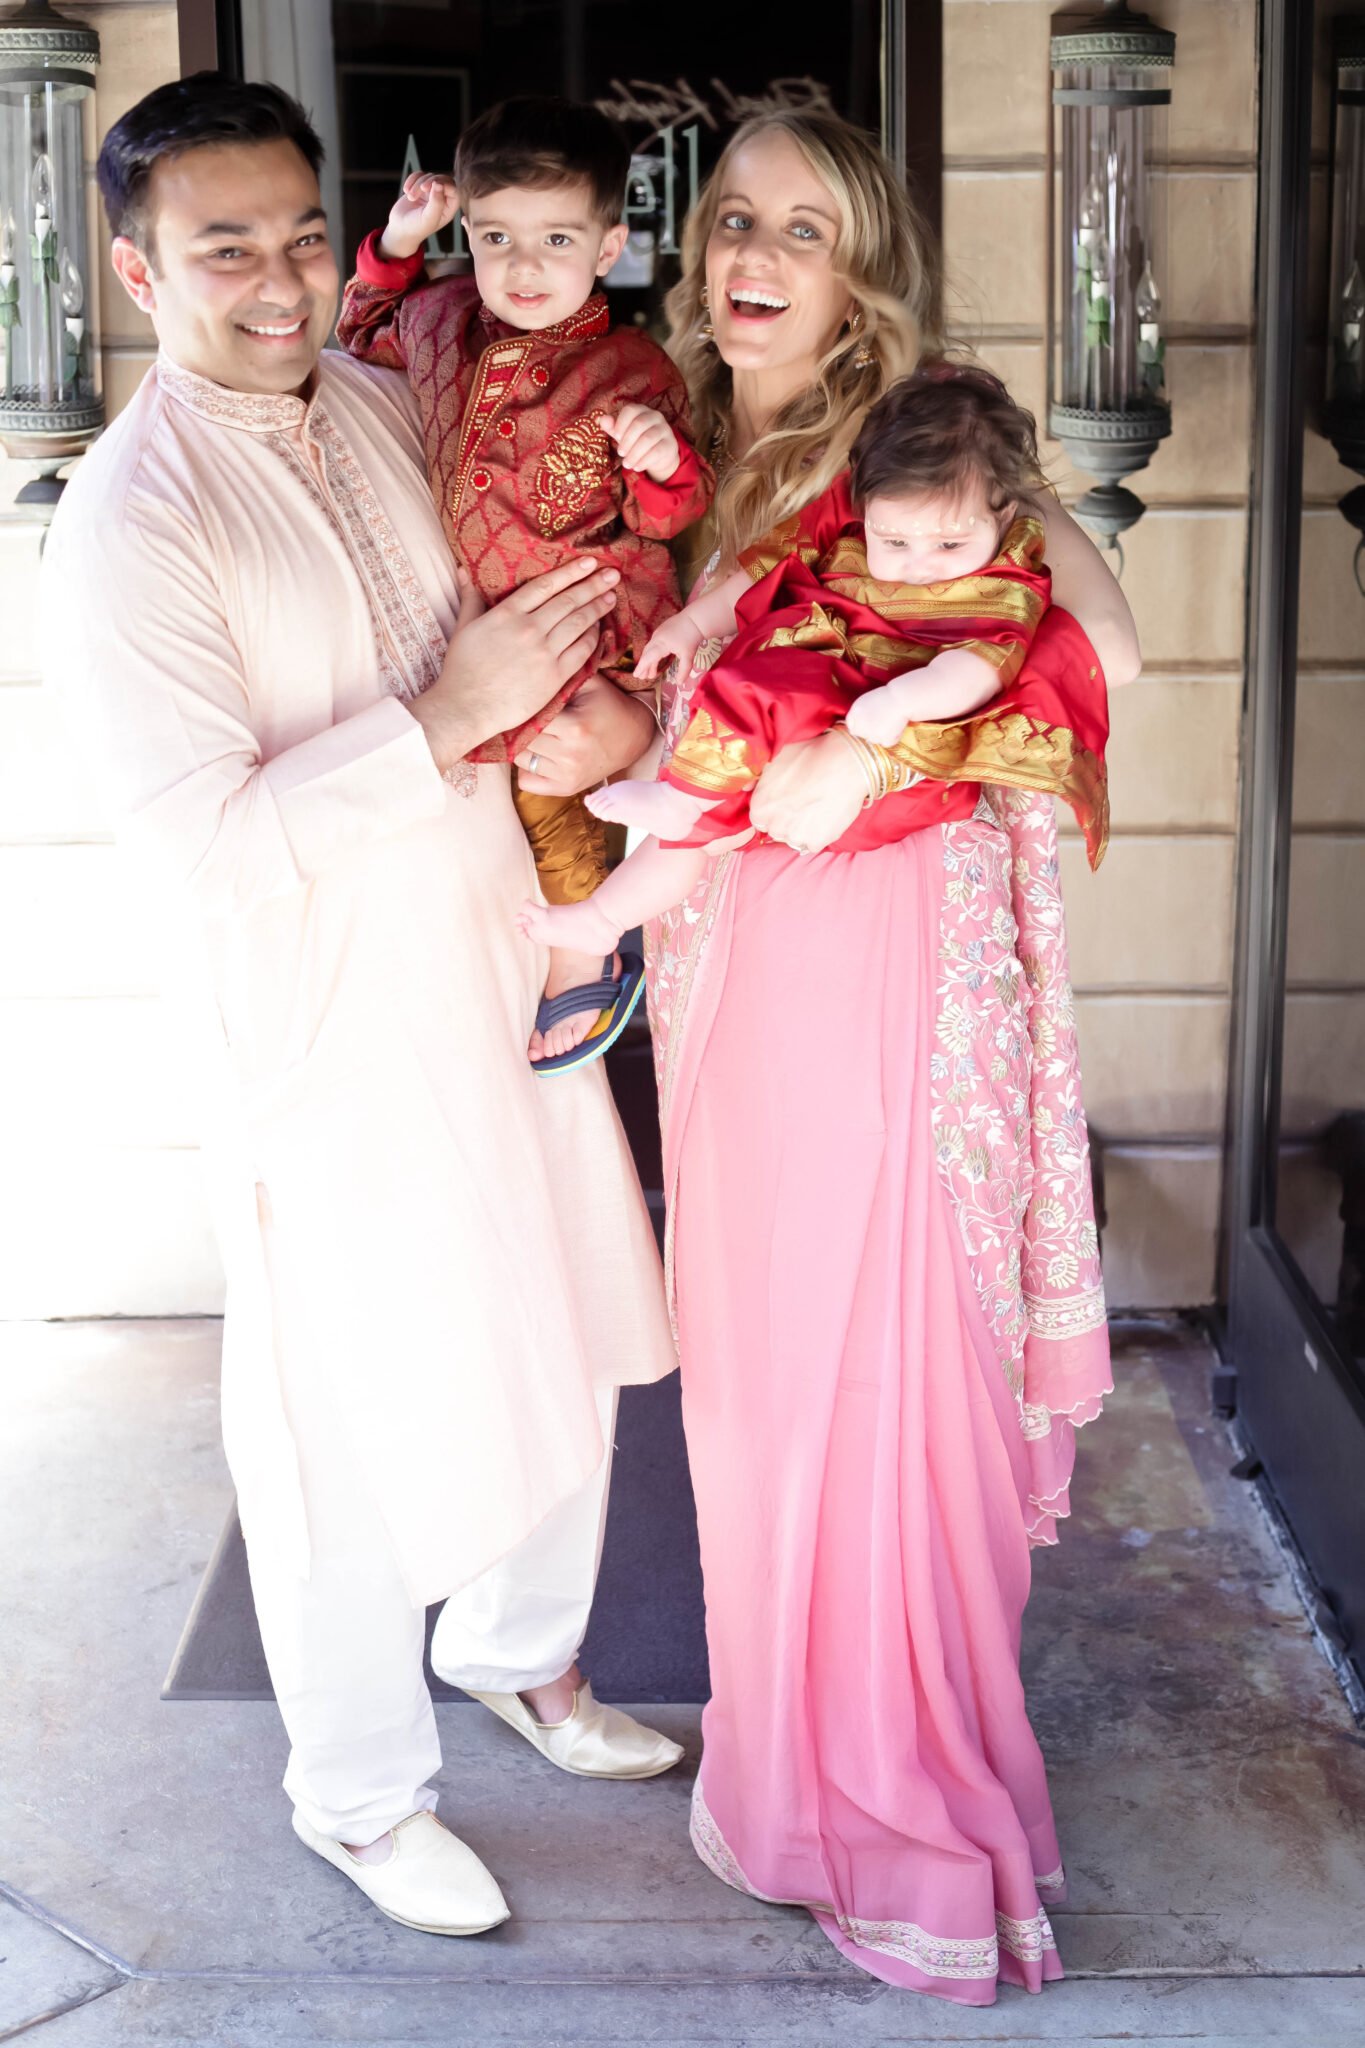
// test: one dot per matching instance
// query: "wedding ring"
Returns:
(533, 765)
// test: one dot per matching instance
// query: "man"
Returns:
(440, 1268)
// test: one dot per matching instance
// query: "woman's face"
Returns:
(774, 298)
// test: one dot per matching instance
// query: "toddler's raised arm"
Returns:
(390, 265)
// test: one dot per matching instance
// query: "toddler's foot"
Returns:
(569, 968)
(654, 806)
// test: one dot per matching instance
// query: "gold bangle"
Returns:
(862, 755)
(892, 771)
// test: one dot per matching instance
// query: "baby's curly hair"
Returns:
(948, 426)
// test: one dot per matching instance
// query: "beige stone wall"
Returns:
(101, 1204)
(1152, 934)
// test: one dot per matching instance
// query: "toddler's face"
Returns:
(538, 254)
(932, 536)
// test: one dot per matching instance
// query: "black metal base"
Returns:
(41, 490)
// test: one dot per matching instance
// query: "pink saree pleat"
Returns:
(863, 1482)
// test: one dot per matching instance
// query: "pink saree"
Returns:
(885, 1279)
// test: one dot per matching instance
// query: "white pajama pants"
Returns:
(344, 1645)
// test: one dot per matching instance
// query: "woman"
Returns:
(881, 1243)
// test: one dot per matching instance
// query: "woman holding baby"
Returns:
(882, 1253)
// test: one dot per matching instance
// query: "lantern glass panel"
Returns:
(48, 358)
(1111, 350)
(1346, 297)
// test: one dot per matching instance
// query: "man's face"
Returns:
(238, 276)
(538, 254)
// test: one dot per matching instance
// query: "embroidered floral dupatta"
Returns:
(1009, 1126)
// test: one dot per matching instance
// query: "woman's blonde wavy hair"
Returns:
(886, 256)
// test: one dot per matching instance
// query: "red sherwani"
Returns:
(839, 632)
(524, 477)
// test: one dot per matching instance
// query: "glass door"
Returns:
(1296, 1236)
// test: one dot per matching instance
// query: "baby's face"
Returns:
(538, 254)
(930, 537)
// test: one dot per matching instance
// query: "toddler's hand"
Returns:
(676, 640)
(427, 203)
(879, 715)
(645, 441)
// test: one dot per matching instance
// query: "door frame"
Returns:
(1300, 1398)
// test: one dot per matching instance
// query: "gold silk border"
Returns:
(763, 557)
(710, 756)
(1017, 752)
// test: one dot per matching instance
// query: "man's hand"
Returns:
(504, 664)
(600, 731)
(427, 203)
(809, 794)
(644, 441)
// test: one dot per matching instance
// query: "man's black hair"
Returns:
(192, 113)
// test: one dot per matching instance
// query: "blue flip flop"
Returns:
(615, 997)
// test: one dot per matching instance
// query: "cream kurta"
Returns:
(237, 592)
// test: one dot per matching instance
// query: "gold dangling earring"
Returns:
(864, 354)
(707, 329)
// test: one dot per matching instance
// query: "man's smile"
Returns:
(275, 330)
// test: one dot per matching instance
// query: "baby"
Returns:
(548, 433)
(896, 608)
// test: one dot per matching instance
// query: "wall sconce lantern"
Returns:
(50, 404)
(1106, 355)
(1344, 411)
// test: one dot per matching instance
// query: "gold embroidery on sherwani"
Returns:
(712, 757)
(499, 367)
(576, 463)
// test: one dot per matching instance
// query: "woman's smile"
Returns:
(756, 302)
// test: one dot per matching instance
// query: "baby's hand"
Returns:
(427, 203)
(644, 440)
(879, 715)
(676, 640)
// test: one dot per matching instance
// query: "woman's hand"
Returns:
(600, 731)
(809, 794)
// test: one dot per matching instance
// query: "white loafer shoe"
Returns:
(433, 1881)
(594, 1742)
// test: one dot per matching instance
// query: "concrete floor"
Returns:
(1209, 1782)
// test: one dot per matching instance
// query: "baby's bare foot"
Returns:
(652, 806)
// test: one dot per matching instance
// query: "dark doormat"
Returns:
(647, 1640)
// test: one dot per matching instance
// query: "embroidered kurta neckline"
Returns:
(255, 412)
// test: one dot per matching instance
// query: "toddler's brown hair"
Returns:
(534, 141)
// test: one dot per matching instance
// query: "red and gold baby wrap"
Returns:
(817, 630)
